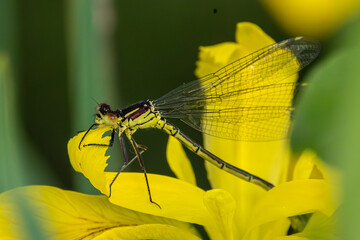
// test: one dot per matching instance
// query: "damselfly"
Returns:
(249, 100)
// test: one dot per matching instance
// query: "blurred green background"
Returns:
(58, 59)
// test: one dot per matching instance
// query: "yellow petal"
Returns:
(269, 231)
(179, 162)
(148, 231)
(309, 165)
(251, 37)
(291, 199)
(304, 165)
(178, 199)
(319, 226)
(221, 206)
(264, 159)
(292, 237)
(91, 160)
(317, 19)
(71, 215)
(212, 58)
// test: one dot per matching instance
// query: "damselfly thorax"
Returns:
(137, 116)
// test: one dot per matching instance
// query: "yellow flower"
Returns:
(234, 209)
(269, 212)
(269, 160)
(217, 210)
(317, 19)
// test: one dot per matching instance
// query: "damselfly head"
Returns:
(105, 116)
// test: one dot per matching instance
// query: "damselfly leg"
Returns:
(136, 146)
(125, 156)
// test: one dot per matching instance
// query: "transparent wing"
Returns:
(249, 99)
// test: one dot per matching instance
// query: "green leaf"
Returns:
(328, 119)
